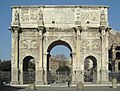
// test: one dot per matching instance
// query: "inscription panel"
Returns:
(59, 17)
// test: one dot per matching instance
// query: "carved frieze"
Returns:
(53, 29)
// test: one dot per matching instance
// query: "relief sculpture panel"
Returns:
(25, 15)
(33, 14)
(24, 44)
(33, 44)
(94, 15)
(95, 44)
(85, 44)
(92, 45)
(28, 44)
(85, 15)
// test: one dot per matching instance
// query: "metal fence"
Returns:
(52, 77)
(58, 77)
(114, 75)
(28, 77)
(5, 76)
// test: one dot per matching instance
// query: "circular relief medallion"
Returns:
(95, 44)
(85, 45)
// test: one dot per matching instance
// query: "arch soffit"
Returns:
(91, 57)
(54, 43)
(27, 56)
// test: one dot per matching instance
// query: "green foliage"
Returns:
(5, 65)
(63, 69)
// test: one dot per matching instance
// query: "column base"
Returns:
(74, 83)
(14, 83)
(21, 82)
(39, 83)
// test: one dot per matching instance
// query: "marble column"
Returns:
(73, 68)
(45, 68)
(15, 67)
(21, 72)
(39, 67)
(104, 57)
(79, 64)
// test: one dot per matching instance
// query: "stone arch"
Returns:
(28, 69)
(117, 55)
(117, 48)
(52, 45)
(90, 69)
(58, 42)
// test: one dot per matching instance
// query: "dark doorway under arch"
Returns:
(28, 70)
(90, 67)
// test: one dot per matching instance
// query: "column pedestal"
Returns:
(104, 76)
(39, 77)
(77, 77)
(14, 79)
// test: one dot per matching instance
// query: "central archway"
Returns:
(51, 74)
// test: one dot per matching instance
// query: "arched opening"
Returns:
(117, 48)
(118, 55)
(28, 70)
(59, 61)
(119, 66)
(90, 67)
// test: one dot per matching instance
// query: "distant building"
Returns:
(54, 63)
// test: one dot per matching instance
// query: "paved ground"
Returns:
(90, 88)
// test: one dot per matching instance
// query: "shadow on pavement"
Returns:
(9, 88)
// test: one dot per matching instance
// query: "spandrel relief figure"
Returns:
(16, 16)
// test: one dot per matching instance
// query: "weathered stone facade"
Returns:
(83, 29)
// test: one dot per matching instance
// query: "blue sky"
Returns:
(5, 19)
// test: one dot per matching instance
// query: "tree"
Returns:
(63, 69)
(61, 57)
(5, 65)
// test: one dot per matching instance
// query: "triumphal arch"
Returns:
(83, 29)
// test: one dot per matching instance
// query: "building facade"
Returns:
(83, 29)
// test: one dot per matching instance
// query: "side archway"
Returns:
(28, 70)
(90, 69)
